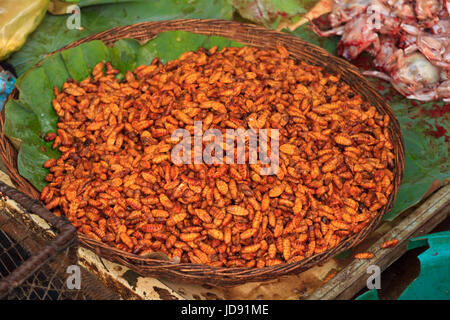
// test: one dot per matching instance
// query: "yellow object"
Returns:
(18, 18)
(58, 7)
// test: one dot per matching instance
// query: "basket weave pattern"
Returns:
(264, 39)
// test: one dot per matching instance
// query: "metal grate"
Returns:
(47, 283)
(35, 253)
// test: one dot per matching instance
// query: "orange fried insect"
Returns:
(251, 248)
(126, 239)
(202, 256)
(273, 262)
(187, 237)
(276, 191)
(286, 249)
(152, 227)
(257, 220)
(278, 230)
(265, 203)
(248, 234)
(203, 215)
(389, 244)
(237, 210)
(170, 242)
(206, 248)
(272, 251)
(288, 149)
(227, 236)
(175, 219)
(364, 255)
(222, 186)
(158, 213)
(165, 201)
(329, 277)
(343, 140)
(216, 234)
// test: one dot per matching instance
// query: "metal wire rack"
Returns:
(37, 250)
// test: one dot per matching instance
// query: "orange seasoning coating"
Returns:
(364, 255)
(389, 244)
(116, 181)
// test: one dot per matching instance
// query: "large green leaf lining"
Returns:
(426, 156)
(271, 13)
(53, 32)
(32, 116)
(23, 124)
(306, 33)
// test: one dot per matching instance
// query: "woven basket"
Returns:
(264, 39)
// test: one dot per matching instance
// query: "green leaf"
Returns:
(29, 163)
(23, 125)
(145, 55)
(220, 42)
(172, 44)
(75, 63)
(30, 117)
(306, 33)
(343, 255)
(85, 3)
(94, 52)
(36, 95)
(426, 161)
(55, 69)
(53, 32)
(271, 13)
(124, 55)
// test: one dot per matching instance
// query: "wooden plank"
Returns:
(123, 281)
(353, 278)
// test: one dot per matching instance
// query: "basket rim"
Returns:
(210, 274)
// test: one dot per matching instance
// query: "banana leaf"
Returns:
(59, 7)
(31, 116)
(306, 33)
(271, 13)
(425, 131)
(85, 3)
(53, 32)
